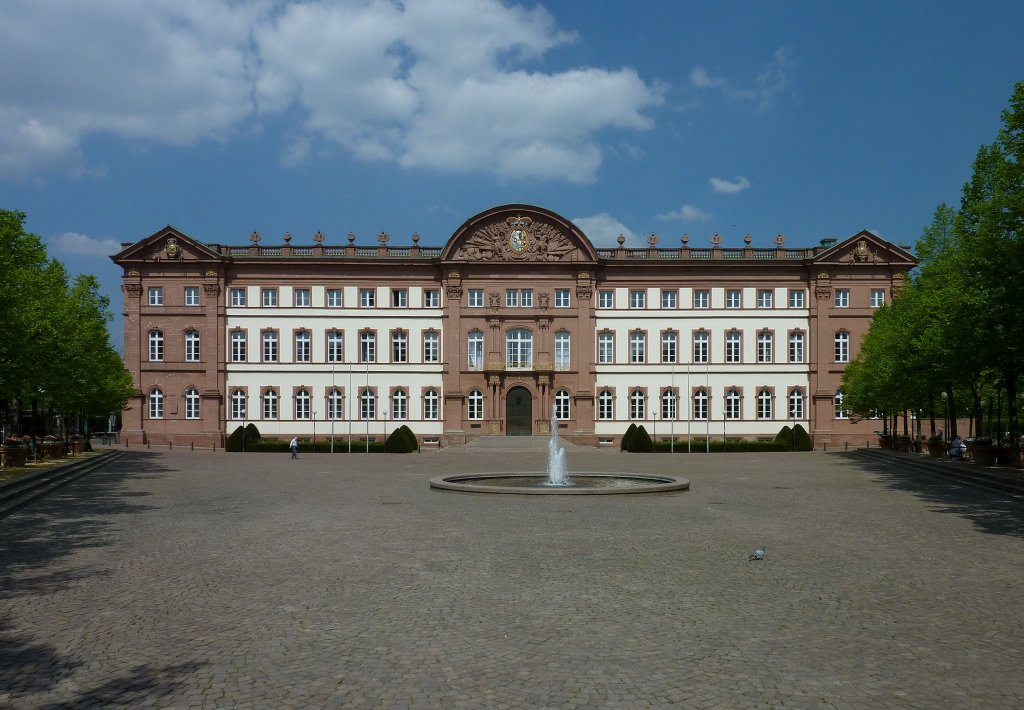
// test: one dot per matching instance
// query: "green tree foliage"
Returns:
(630, 431)
(640, 442)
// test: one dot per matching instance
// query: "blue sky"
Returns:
(810, 119)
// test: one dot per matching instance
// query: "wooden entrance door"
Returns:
(519, 412)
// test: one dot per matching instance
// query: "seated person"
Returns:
(957, 448)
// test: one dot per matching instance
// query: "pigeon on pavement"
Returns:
(757, 554)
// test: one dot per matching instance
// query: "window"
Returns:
(156, 346)
(399, 346)
(669, 298)
(733, 298)
(368, 346)
(562, 356)
(156, 403)
(638, 346)
(561, 405)
(700, 347)
(701, 298)
(605, 348)
(796, 404)
(475, 357)
(606, 299)
(764, 298)
(269, 297)
(637, 408)
(335, 346)
(764, 346)
(334, 298)
(302, 346)
(732, 404)
(669, 346)
(431, 346)
(399, 404)
(526, 298)
(668, 404)
(431, 298)
(191, 295)
(334, 404)
(519, 349)
(561, 298)
(430, 404)
(512, 298)
(605, 405)
(842, 298)
(733, 347)
(367, 405)
(367, 298)
(238, 297)
(764, 404)
(842, 346)
(877, 297)
(700, 404)
(156, 296)
(270, 404)
(300, 297)
(238, 346)
(476, 298)
(637, 299)
(302, 404)
(191, 403)
(796, 347)
(796, 298)
(238, 405)
(191, 346)
(476, 405)
(399, 298)
(840, 412)
(270, 346)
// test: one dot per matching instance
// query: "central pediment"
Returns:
(519, 233)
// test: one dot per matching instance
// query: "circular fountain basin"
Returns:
(579, 483)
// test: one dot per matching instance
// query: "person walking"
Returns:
(294, 446)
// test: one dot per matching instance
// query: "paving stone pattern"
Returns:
(211, 580)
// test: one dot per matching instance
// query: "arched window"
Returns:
(842, 346)
(669, 346)
(733, 347)
(238, 346)
(156, 403)
(764, 404)
(237, 404)
(606, 348)
(334, 402)
(270, 404)
(367, 346)
(562, 350)
(796, 404)
(156, 345)
(638, 346)
(765, 342)
(431, 409)
(191, 346)
(302, 404)
(561, 404)
(840, 411)
(367, 404)
(637, 402)
(700, 347)
(476, 405)
(431, 346)
(605, 405)
(668, 404)
(191, 403)
(399, 404)
(399, 346)
(335, 347)
(700, 404)
(732, 404)
(519, 349)
(270, 346)
(475, 356)
(302, 346)
(796, 347)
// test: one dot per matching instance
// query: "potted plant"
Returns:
(13, 452)
(936, 446)
(77, 444)
(985, 451)
(52, 447)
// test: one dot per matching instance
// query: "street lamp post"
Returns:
(945, 414)
(314, 431)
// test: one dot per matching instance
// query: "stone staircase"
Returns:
(492, 442)
(998, 479)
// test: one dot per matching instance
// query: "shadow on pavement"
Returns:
(990, 512)
(145, 686)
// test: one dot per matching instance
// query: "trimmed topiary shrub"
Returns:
(803, 439)
(414, 445)
(398, 442)
(624, 445)
(785, 436)
(252, 433)
(640, 442)
(234, 441)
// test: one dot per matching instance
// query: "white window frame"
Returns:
(733, 347)
(191, 295)
(701, 298)
(637, 405)
(156, 345)
(475, 298)
(399, 298)
(431, 346)
(563, 350)
(606, 405)
(733, 298)
(271, 346)
(367, 298)
(431, 405)
(303, 404)
(399, 346)
(562, 409)
(399, 405)
(701, 347)
(764, 404)
(669, 405)
(238, 405)
(669, 346)
(796, 347)
(335, 404)
(192, 407)
(335, 346)
(192, 350)
(335, 297)
(475, 350)
(796, 298)
(842, 349)
(842, 298)
(268, 297)
(431, 298)
(156, 295)
(239, 297)
(475, 405)
(562, 298)
(303, 346)
(765, 347)
(270, 404)
(765, 297)
(367, 346)
(239, 345)
(669, 298)
(605, 299)
(701, 404)
(877, 297)
(519, 349)
(637, 299)
(156, 403)
(638, 347)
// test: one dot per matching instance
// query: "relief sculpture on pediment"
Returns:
(517, 239)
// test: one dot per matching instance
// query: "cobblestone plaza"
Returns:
(206, 580)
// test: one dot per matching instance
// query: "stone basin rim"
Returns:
(659, 483)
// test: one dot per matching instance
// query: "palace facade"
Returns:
(516, 314)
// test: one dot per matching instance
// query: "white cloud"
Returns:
(700, 78)
(82, 245)
(439, 84)
(603, 230)
(769, 82)
(686, 213)
(730, 188)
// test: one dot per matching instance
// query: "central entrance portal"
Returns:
(519, 412)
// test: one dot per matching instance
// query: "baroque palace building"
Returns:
(516, 314)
